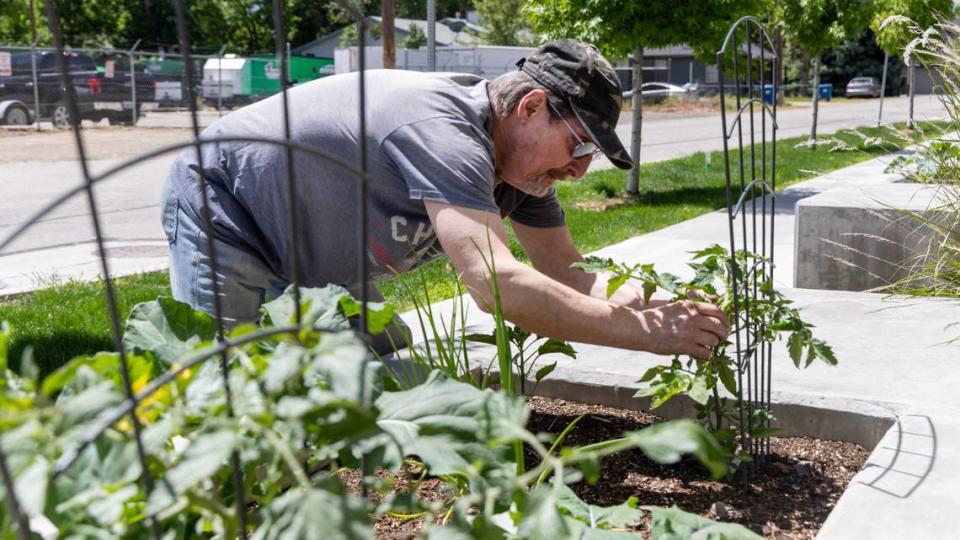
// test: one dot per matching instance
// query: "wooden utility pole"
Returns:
(389, 42)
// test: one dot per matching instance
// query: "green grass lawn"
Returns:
(72, 319)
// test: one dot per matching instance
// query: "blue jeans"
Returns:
(243, 279)
(245, 282)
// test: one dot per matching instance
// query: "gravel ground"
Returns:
(787, 498)
(101, 141)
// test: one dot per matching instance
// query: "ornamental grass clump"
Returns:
(935, 270)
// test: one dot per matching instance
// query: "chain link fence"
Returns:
(125, 86)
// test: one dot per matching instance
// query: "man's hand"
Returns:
(686, 327)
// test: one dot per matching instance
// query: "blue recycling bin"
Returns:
(768, 94)
(826, 91)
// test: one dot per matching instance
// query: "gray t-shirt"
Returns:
(428, 138)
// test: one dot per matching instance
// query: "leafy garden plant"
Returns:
(308, 402)
(768, 315)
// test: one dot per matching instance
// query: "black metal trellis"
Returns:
(221, 350)
(754, 73)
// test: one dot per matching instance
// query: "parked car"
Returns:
(660, 91)
(863, 86)
(98, 96)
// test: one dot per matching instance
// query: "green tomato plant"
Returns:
(308, 404)
(768, 316)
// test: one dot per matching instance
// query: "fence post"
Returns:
(431, 35)
(133, 85)
(219, 81)
(36, 90)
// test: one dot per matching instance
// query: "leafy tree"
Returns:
(860, 57)
(894, 36)
(415, 39)
(620, 28)
(15, 21)
(503, 20)
(817, 25)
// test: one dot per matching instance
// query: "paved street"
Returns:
(129, 201)
(668, 136)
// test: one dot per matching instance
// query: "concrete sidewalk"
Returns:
(895, 383)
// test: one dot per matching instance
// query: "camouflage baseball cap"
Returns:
(576, 72)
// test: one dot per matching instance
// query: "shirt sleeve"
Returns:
(528, 210)
(444, 160)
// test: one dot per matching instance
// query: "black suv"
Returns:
(98, 96)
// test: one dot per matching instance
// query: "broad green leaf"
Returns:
(167, 328)
(31, 486)
(433, 421)
(200, 461)
(106, 365)
(540, 517)
(649, 374)
(379, 314)
(544, 371)
(675, 524)
(552, 346)
(666, 442)
(319, 307)
(343, 360)
(80, 410)
(489, 339)
(728, 378)
(285, 363)
(325, 511)
(698, 390)
(620, 516)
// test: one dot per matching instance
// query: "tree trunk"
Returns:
(633, 179)
(816, 98)
(911, 73)
(883, 87)
(804, 73)
(781, 65)
(389, 48)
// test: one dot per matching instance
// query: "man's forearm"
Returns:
(548, 307)
(595, 285)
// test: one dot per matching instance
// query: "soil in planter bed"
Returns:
(784, 499)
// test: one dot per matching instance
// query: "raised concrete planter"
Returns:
(860, 238)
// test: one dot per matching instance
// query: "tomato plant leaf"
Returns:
(615, 282)
(795, 347)
(698, 390)
(552, 346)
(544, 371)
(594, 265)
(824, 352)
(727, 377)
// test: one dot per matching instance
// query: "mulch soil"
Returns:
(788, 497)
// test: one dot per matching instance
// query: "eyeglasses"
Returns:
(583, 148)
